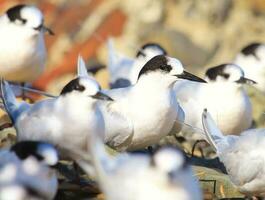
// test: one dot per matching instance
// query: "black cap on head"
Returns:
(71, 86)
(151, 45)
(14, 13)
(159, 62)
(26, 149)
(219, 70)
(251, 49)
(42, 151)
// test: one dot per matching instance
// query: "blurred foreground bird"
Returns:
(165, 175)
(123, 70)
(243, 156)
(25, 171)
(252, 60)
(149, 105)
(223, 96)
(64, 120)
(23, 51)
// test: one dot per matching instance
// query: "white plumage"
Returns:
(138, 176)
(252, 60)
(149, 105)
(23, 51)
(62, 121)
(223, 96)
(25, 178)
(123, 70)
(243, 156)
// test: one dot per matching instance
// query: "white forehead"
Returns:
(234, 71)
(90, 84)
(260, 52)
(33, 15)
(152, 51)
(169, 159)
(49, 153)
(176, 65)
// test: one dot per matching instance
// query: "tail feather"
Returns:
(117, 61)
(212, 131)
(112, 57)
(81, 67)
(119, 67)
(9, 99)
(12, 107)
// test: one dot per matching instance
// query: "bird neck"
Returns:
(78, 101)
(154, 80)
(227, 87)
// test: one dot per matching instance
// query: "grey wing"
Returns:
(178, 124)
(39, 123)
(244, 162)
(11, 105)
(40, 108)
(185, 90)
(119, 129)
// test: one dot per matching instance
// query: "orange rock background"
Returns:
(199, 33)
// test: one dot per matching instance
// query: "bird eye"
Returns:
(24, 21)
(162, 67)
(79, 87)
(165, 68)
(226, 76)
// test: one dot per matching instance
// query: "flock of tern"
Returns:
(151, 96)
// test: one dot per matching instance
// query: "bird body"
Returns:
(228, 104)
(243, 156)
(166, 175)
(58, 120)
(23, 57)
(226, 100)
(150, 105)
(142, 182)
(123, 70)
(252, 60)
(23, 54)
(23, 176)
(64, 120)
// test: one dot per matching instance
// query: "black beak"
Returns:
(102, 96)
(44, 28)
(191, 77)
(244, 80)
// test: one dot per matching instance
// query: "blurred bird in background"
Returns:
(25, 171)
